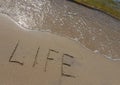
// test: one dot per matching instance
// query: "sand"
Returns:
(42, 58)
(94, 29)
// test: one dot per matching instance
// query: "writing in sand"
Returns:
(66, 60)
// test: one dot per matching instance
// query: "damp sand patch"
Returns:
(90, 27)
(34, 58)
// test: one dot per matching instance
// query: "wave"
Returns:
(95, 30)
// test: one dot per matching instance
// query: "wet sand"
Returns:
(94, 29)
(42, 58)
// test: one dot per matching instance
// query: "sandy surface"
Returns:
(41, 58)
(94, 29)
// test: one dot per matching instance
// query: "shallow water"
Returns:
(95, 30)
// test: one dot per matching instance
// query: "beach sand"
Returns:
(92, 28)
(42, 58)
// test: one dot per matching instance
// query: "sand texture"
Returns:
(92, 28)
(41, 58)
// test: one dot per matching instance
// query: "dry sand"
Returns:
(41, 58)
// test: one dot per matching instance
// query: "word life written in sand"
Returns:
(13, 59)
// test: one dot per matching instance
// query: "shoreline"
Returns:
(34, 58)
(95, 8)
(91, 28)
(28, 30)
